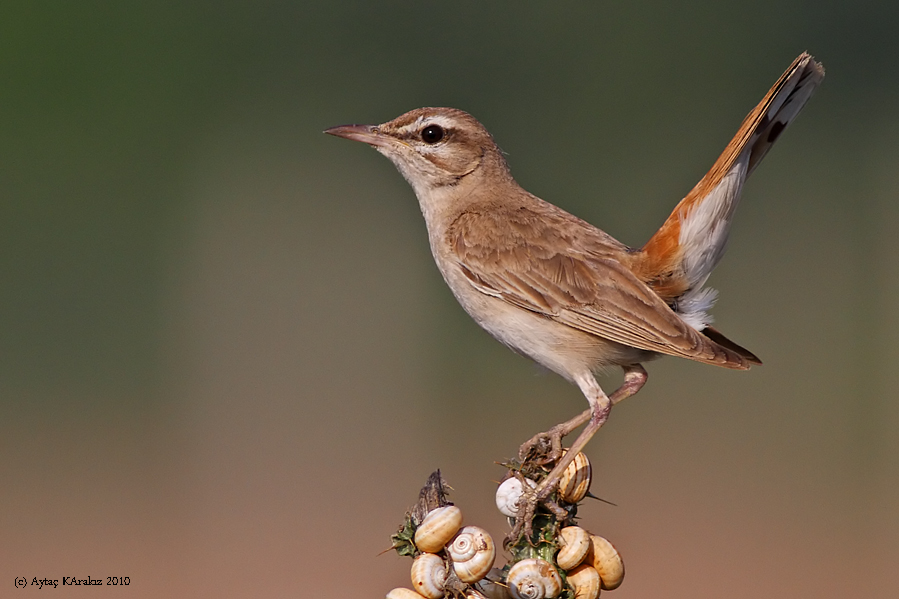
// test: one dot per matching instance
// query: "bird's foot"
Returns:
(543, 448)
(536, 507)
(546, 448)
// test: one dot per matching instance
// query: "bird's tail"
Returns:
(678, 259)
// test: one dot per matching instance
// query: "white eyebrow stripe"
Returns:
(440, 120)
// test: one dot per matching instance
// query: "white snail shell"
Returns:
(402, 593)
(534, 579)
(574, 542)
(584, 581)
(607, 562)
(474, 594)
(575, 481)
(438, 528)
(508, 495)
(473, 553)
(429, 575)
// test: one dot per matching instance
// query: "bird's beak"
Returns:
(365, 133)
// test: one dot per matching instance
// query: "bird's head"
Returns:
(432, 147)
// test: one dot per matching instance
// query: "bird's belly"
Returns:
(562, 349)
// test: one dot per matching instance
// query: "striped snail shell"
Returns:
(534, 579)
(585, 582)
(429, 575)
(402, 593)
(574, 542)
(438, 528)
(473, 553)
(575, 481)
(509, 494)
(607, 561)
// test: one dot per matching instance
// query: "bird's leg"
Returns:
(547, 446)
(600, 405)
(634, 378)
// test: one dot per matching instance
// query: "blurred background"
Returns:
(227, 362)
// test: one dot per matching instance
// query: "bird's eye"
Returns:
(432, 134)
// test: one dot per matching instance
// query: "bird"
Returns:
(561, 291)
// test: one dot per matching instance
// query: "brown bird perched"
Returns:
(557, 289)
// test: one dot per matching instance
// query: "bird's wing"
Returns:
(566, 270)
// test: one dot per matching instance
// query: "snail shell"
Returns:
(473, 553)
(429, 575)
(508, 495)
(534, 579)
(438, 528)
(584, 581)
(575, 481)
(607, 561)
(574, 542)
(402, 593)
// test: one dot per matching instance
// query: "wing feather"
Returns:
(536, 261)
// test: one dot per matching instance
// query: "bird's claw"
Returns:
(532, 499)
(543, 448)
